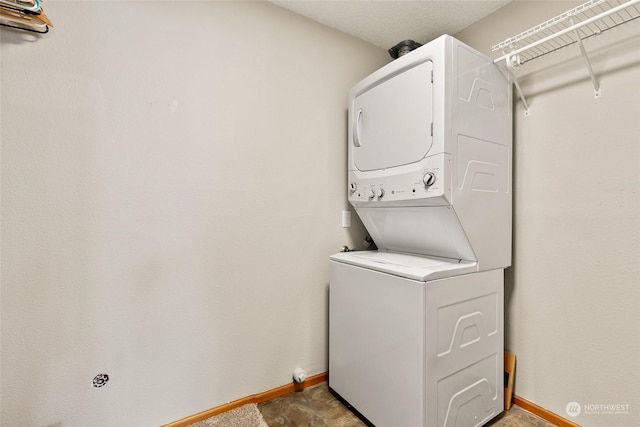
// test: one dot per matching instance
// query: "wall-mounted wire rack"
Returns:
(571, 27)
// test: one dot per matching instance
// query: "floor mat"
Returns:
(244, 416)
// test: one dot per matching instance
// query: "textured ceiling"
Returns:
(385, 23)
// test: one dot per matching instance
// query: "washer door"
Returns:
(392, 120)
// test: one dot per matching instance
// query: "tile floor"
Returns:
(317, 407)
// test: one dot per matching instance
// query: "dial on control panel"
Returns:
(429, 179)
(376, 194)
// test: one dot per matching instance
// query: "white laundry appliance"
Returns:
(416, 327)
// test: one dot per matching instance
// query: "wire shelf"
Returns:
(571, 27)
(589, 19)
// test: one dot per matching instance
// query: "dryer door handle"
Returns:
(356, 128)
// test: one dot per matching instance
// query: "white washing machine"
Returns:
(416, 327)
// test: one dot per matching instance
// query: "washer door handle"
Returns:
(356, 129)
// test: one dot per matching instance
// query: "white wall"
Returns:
(172, 180)
(573, 293)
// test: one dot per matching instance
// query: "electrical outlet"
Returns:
(346, 219)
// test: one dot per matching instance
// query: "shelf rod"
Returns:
(574, 27)
(596, 85)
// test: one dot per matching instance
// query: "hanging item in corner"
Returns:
(24, 15)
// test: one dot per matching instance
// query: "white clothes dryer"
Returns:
(416, 327)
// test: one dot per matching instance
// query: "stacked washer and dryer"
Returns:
(416, 327)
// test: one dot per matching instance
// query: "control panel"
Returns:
(417, 186)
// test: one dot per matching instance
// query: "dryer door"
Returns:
(392, 119)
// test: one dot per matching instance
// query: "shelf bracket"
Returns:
(594, 80)
(512, 62)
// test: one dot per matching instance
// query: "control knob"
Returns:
(353, 187)
(429, 179)
(380, 193)
(372, 194)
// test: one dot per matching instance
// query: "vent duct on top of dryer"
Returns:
(403, 48)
